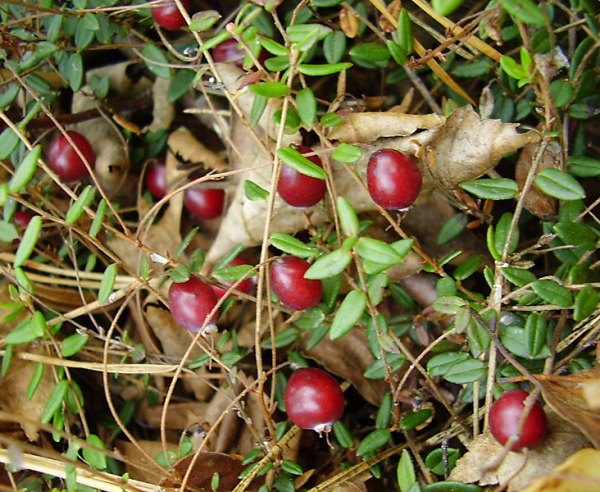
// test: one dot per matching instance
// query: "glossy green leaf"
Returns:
(559, 185)
(78, 207)
(180, 84)
(577, 234)
(373, 441)
(584, 166)
(448, 304)
(384, 413)
(439, 364)
(325, 69)
(518, 276)
(254, 192)
(329, 265)
(405, 473)
(259, 105)
(204, 20)
(36, 379)
(536, 334)
(334, 46)
(370, 52)
(297, 161)
(348, 314)
(9, 141)
(553, 293)
(525, 10)
(9, 95)
(440, 462)
(347, 153)
(445, 7)
(75, 72)
(99, 218)
(411, 420)
(25, 171)
(377, 253)
(28, 241)
(307, 107)
(491, 188)
(156, 61)
(95, 457)
(72, 344)
(348, 217)
(586, 301)
(468, 267)
(404, 31)
(343, 435)
(377, 370)
(8, 232)
(291, 245)
(467, 371)
(54, 401)
(107, 284)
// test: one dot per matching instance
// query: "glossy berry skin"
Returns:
(168, 16)
(229, 51)
(22, 218)
(504, 419)
(204, 203)
(289, 284)
(65, 161)
(393, 179)
(245, 286)
(297, 189)
(156, 179)
(191, 302)
(313, 399)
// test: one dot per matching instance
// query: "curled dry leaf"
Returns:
(184, 145)
(205, 466)
(349, 357)
(537, 202)
(13, 386)
(578, 473)
(517, 470)
(575, 398)
(464, 148)
(163, 112)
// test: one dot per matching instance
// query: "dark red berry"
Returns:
(297, 189)
(65, 161)
(313, 399)
(191, 302)
(156, 179)
(245, 286)
(505, 414)
(205, 203)
(289, 284)
(168, 15)
(230, 51)
(22, 218)
(393, 179)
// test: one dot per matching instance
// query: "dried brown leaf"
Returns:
(517, 470)
(163, 111)
(575, 399)
(349, 23)
(137, 464)
(184, 145)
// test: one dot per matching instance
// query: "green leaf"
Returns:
(36, 379)
(25, 171)
(107, 284)
(577, 234)
(325, 3)
(451, 486)
(305, 36)
(553, 293)
(501, 234)
(307, 107)
(370, 52)
(83, 200)
(8, 143)
(525, 10)
(536, 334)
(518, 276)
(445, 7)
(474, 69)
(95, 457)
(343, 435)
(329, 265)
(320, 70)
(348, 217)
(331, 119)
(405, 473)
(559, 185)
(398, 54)
(180, 274)
(99, 218)
(28, 241)
(254, 192)
(404, 31)
(440, 462)
(73, 344)
(379, 255)
(54, 401)
(347, 153)
(156, 61)
(334, 46)
(259, 105)
(384, 414)
(274, 47)
(452, 228)
(233, 273)
(270, 89)
(377, 369)
(186, 241)
(512, 68)
(283, 338)
(292, 467)
(291, 245)
(562, 93)
(180, 84)
(90, 22)
(373, 441)
(468, 267)
(584, 166)
(448, 304)
(439, 364)
(411, 420)
(491, 188)
(350, 311)
(297, 161)
(9, 95)
(467, 371)
(6, 360)
(75, 72)
(204, 20)
(586, 301)
(8, 232)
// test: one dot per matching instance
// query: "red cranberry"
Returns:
(245, 286)
(289, 284)
(393, 179)
(156, 179)
(22, 218)
(505, 414)
(205, 203)
(313, 399)
(168, 15)
(65, 161)
(191, 302)
(229, 51)
(297, 189)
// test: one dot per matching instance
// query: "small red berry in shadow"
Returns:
(393, 179)
(245, 286)
(156, 179)
(65, 161)
(204, 203)
(22, 218)
(230, 51)
(289, 284)
(297, 189)
(168, 15)
(313, 399)
(190, 304)
(505, 414)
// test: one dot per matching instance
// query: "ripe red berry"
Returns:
(297, 189)
(168, 15)
(289, 284)
(229, 51)
(22, 218)
(205, 203)
(245, 286)
(65, 161)
(505, 414)
(191, 302)
(393, 179)
(156, 179)
(313, 399)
